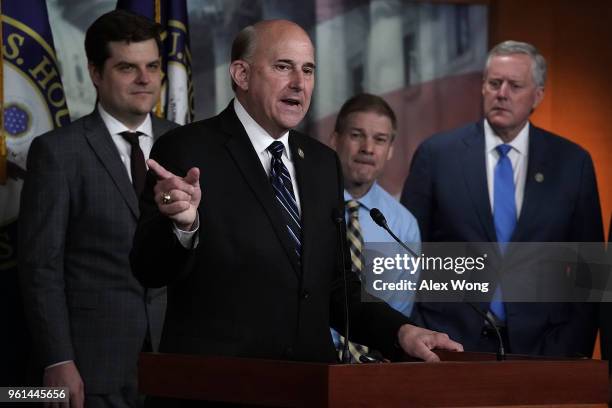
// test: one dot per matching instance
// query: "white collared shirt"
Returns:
(518, 156)
(261, 140)
(145, 140)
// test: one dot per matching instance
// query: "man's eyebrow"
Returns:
(292, 62)
(120, 63)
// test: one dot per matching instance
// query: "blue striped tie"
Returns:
(504, 215)
(283, 191)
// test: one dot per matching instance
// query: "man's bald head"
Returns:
(272, 72)
(243, 46)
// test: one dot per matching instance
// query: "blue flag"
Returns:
(177, 88)
(33, 103)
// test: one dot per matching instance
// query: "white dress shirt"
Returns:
(145, 140)
(261, 140)
(518, 156)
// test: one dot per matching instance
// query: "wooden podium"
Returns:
(461, 379)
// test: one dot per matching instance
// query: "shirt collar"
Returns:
(369, 200)
(115, 127)
(260, 139)
(520, 143)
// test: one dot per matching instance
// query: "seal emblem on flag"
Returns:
(34, 101)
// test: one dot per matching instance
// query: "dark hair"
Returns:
(118, 25)
(243, 46)
(364, 102)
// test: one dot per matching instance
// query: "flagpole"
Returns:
(3, 148)
(158, 106)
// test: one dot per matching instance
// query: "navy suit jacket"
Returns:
(447, 192)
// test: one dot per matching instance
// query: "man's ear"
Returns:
(333, 140)
(539, 96)
(390, 152)
(239, 71)
(94, 74)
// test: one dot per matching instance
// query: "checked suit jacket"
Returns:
(243, 291)
(77, 220)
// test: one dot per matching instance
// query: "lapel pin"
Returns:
(539, 177)
(300, 153)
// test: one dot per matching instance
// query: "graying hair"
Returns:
(243, 46)
(538, 66)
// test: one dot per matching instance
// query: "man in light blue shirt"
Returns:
(363, 138)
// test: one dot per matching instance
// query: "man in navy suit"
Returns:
(504, 180)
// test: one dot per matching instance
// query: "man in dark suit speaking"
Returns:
(504, 180)
(88, 316)
(247, 241)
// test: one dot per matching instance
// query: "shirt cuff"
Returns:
(56, 364)
(188, 239)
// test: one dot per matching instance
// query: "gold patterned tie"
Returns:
(355, 241)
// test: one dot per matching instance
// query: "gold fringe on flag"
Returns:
(3, 147)
(158, 107)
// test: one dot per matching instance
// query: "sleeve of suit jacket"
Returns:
(42, 226)
(417, 196)
(587, 227)
(157, 256)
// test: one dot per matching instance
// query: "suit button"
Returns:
(305, 294)
(289, 352)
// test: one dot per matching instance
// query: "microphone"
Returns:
(501, 352)
(380, 219)
(338, 218)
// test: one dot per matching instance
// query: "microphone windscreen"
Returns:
(378, 217)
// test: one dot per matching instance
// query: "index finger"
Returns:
(159, 170)
(443, 342)
(423, 352)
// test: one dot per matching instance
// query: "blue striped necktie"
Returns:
(283, 191)
(504, 216)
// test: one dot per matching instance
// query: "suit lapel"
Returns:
(475, 172)
(307, 187)
(160, 127)
(102, 144)
(245, 158)
(534, 189)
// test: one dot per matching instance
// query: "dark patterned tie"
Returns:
(355, 241)
(137, 162)
(283, 191)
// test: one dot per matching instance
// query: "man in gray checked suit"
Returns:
(89, 317)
